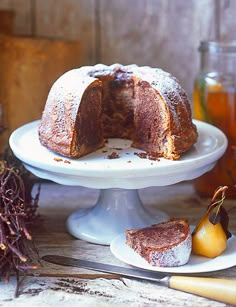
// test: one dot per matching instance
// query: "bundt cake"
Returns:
(89, 104)
(165, 244)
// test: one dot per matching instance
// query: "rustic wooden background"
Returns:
(160, 33)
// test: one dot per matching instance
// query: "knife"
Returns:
(223, 290)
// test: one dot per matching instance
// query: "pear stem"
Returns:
(217, 191)
(221, 189)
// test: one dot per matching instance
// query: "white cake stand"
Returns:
(118, 206)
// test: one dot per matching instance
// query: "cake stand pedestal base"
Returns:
(115, 211)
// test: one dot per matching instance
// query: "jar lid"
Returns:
(218, 46)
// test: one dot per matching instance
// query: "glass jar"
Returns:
(214, 101)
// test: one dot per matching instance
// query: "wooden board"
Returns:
(52, 238)
(29, 67)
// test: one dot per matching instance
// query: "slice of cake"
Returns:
(166, 244)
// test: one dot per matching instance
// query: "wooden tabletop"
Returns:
(53, 285)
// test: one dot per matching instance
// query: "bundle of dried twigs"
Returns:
(17, 211)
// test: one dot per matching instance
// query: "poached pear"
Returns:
(209, 239)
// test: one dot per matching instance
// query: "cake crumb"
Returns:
(58, 159)
(67, 161)
(61, 160)
(150, 156)
(142, 155)
(153, 156)
(113, 155)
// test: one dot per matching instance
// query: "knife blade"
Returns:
(223, 290)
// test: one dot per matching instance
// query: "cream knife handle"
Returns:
(223, 290)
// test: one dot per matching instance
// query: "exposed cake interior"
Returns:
(132, 109)
(88, 133)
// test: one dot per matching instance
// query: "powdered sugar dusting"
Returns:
(58, 120)
(61, 108)
(175, 256)
(163, 82)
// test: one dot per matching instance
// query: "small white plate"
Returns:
(196, 264)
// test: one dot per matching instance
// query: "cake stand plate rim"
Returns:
(210, 147)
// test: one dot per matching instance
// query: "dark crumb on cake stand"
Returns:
(145, 155)
(62, 160)
(113, 155)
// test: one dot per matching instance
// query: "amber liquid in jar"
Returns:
(215, 103)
